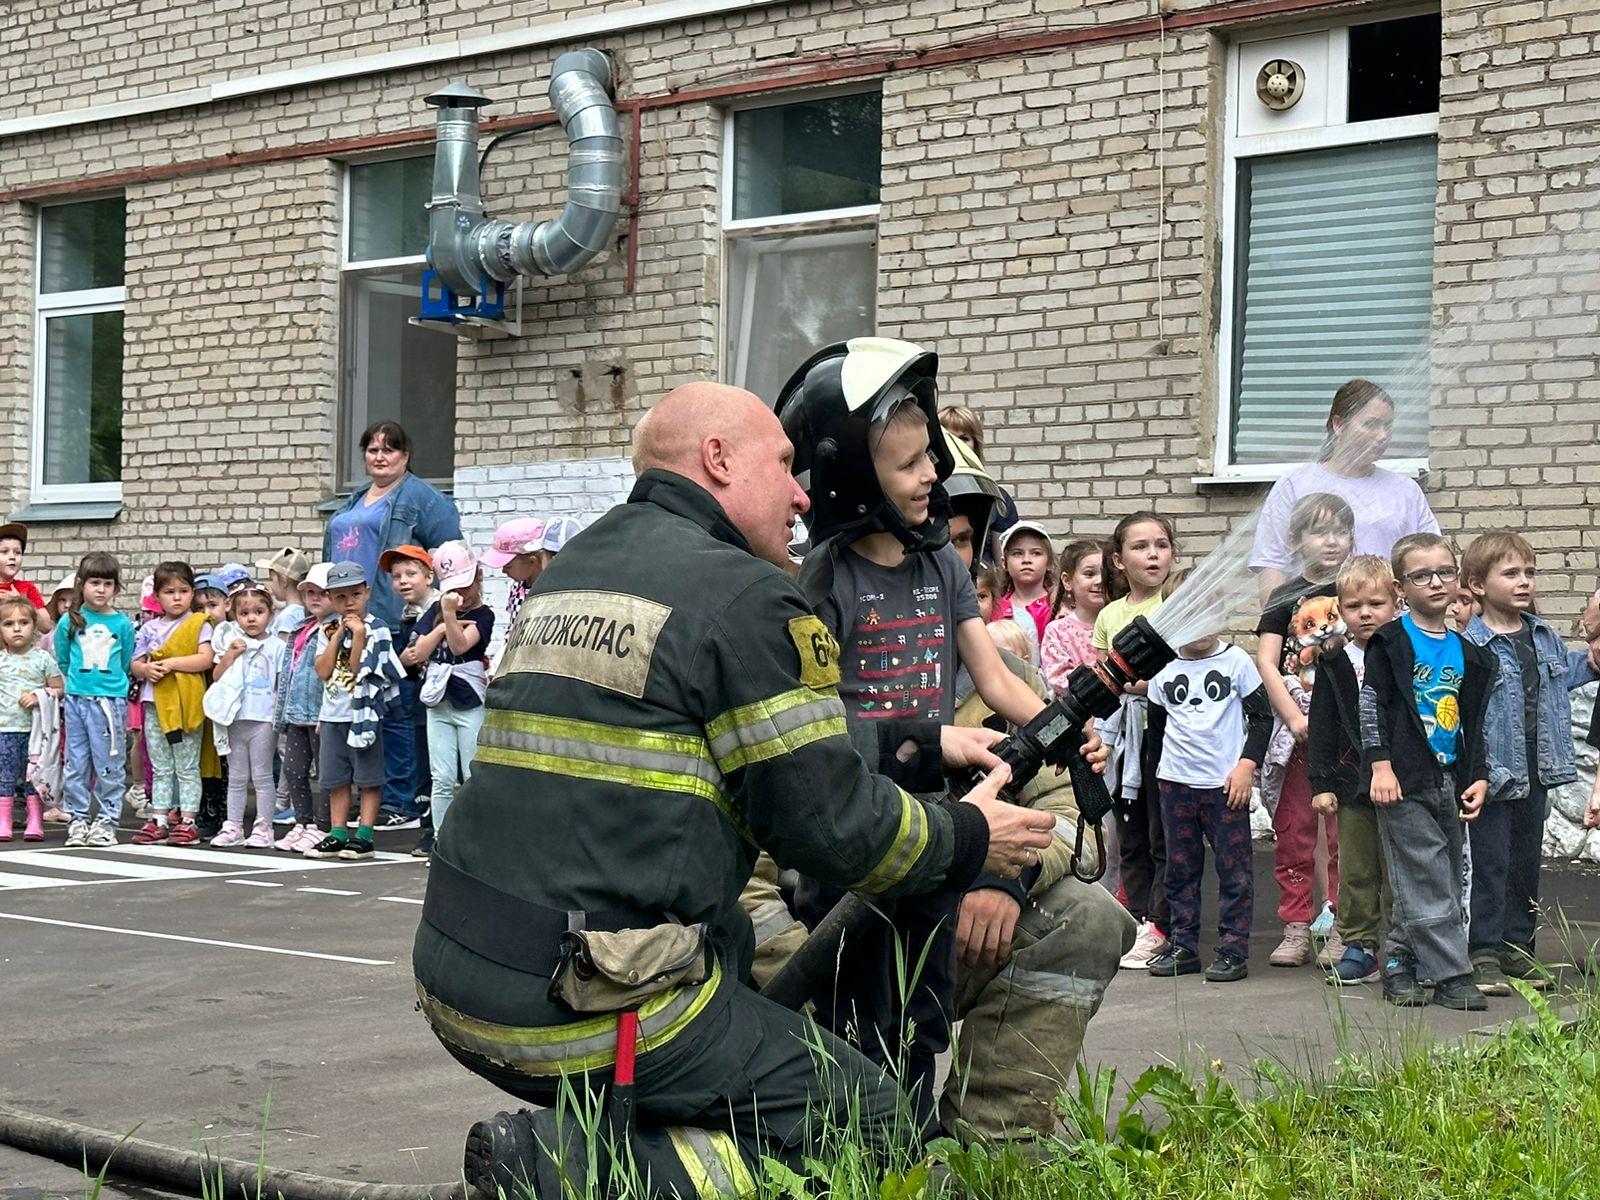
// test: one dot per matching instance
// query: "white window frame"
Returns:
(1235, 150)
(47, 305)
(859, 218)
(348, 391)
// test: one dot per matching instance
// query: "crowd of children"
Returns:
(1410, 714)
(267, 687)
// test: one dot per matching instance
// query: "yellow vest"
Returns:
(180, 696)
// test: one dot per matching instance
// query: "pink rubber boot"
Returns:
(35, 830)
(5, 819)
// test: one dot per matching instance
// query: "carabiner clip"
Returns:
(1100, 855)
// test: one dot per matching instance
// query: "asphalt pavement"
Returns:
(250, 1002)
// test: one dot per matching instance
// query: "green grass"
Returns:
(1513, 1115)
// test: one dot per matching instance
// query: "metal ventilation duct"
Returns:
(465, 245)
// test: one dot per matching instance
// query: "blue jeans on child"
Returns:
(97, 745)
(1191, 817)
(400, 753)
(452, 742)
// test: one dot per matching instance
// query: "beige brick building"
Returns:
(209, 222)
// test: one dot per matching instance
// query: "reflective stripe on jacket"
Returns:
(665, 705)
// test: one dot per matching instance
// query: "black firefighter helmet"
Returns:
(973, 494)
(828, 409)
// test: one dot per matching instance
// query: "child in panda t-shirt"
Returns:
(1218, 723)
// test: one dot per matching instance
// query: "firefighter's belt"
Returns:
(507, 929)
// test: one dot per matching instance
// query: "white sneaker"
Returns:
(103, 833)
(260, 836)
(1145, 947)
(288, 840)
(232, 834)
(77, 834)
(309, 837)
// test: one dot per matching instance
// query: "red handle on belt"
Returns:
(627, 1042)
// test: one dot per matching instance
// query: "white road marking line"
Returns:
(10, 882)
(399, 900)
(262, 860)
(253, 883)
(88, 863)
(196, 941)
(328, 891)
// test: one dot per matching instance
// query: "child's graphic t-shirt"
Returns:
(1204, 700)
(897, 632)
(19, 675)
(1436, 684)
(95, 660)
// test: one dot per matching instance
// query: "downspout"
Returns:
(471, 251)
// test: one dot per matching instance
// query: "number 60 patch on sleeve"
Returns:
(819, 653)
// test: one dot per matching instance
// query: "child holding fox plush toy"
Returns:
(1300, 623)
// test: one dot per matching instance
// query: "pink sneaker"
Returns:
(289, 840)
(309, 837)
(260, 835)
(232, 835)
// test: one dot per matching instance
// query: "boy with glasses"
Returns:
(1421, 705)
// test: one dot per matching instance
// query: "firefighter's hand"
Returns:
(960, 746)
(985, 927)
(1016, 835)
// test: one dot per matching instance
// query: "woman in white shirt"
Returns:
(1387, 506)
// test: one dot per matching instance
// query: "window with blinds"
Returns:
(1335, 281)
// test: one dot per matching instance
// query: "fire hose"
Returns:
(1055, 736)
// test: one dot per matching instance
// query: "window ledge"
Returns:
(1414, 468)
(45, 511)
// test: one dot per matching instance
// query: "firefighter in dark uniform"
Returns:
(665, 707)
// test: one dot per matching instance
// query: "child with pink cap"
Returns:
(452, 638)
(517, 553)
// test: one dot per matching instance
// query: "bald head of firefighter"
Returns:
(666, 705)
(731, 444)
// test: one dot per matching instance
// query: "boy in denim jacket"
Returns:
(1528, 741)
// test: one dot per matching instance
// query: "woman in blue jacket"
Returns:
(395, 509)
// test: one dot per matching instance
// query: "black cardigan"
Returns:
(1391, 728)
(1333, 742)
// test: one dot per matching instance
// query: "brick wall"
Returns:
(488, 496)
(1048, 222)
(1516, 415)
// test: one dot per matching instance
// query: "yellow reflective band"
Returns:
(771, 728)
(711, 1160)
(666, 762)
(910, 840)
(586, 1045)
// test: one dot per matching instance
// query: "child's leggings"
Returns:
(97, 746)
(452, 742)
(1294, 853)
(297, 744)
(251, 747)
(13, 765)
(174, 766)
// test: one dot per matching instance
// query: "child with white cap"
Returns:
(452, 638)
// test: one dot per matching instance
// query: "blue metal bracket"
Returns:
(439, 303)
